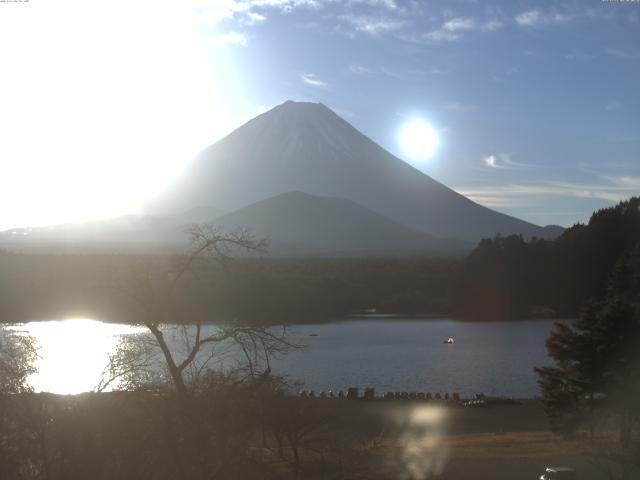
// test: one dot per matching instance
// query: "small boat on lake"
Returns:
(449, 341)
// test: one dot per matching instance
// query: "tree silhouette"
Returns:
(598, 358)
(510, 277)
(178, 297)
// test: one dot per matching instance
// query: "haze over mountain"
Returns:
(130, 233)
(310, 182)
(299, 146)
(297, 223)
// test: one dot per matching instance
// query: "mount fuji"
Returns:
(306, 147)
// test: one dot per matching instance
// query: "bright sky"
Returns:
(535, 105)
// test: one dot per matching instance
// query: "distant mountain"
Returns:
(552, 231)
(200, 214)
(298, 224)
(295, 223)
(127, 230)
(141, 231)
(307, 147)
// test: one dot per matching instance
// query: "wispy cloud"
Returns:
(236, 38)
(530, 18)
(442, 36)
(459, 24)
(612, 189)
(597, 168)
(626, 182)
(252, 18)
(412, 74)
(615, 52)
(284, 5)
(212, 12)
(503, 161)
(388, 4)
(575, 55)
(359, 69)
(492, 26)
(453, 28)
(536, 18)
(313, 80)
(373, 25)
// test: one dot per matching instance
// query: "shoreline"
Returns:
(346, 318)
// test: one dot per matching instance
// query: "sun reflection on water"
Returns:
(72, 353)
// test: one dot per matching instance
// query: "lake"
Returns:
(390, 354)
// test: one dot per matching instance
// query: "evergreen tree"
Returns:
(598, 358)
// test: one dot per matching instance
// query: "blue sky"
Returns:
(103, 104)
(536, 103)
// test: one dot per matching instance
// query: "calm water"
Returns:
(395, 354)
(388, 354)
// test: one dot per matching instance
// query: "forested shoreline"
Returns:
(507, 277)
(272, 291)
(504, 278)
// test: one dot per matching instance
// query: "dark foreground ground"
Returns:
(247, 434)
(420, 440)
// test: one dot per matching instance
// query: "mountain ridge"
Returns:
(315, 225)
(301, 146)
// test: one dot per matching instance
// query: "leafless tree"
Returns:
(173, 301)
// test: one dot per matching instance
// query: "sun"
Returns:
(418, 139)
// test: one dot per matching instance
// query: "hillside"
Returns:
(300, 224)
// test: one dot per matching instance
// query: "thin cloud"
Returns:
(625, 182)
(536, 18)
(359, 69)
(284, 5)
(492, 26)
(614, 52)
(232, 38)
(491, 161)
(253, 18)
(212, 12)
(388, 4)
(313, 80)
(442, 36)
(452, 29)
(579, 56)
(612, 189)
(503, 161)
(407, 73)
(459, 24)
(372, 25)
(597, 168)
(530, 18)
